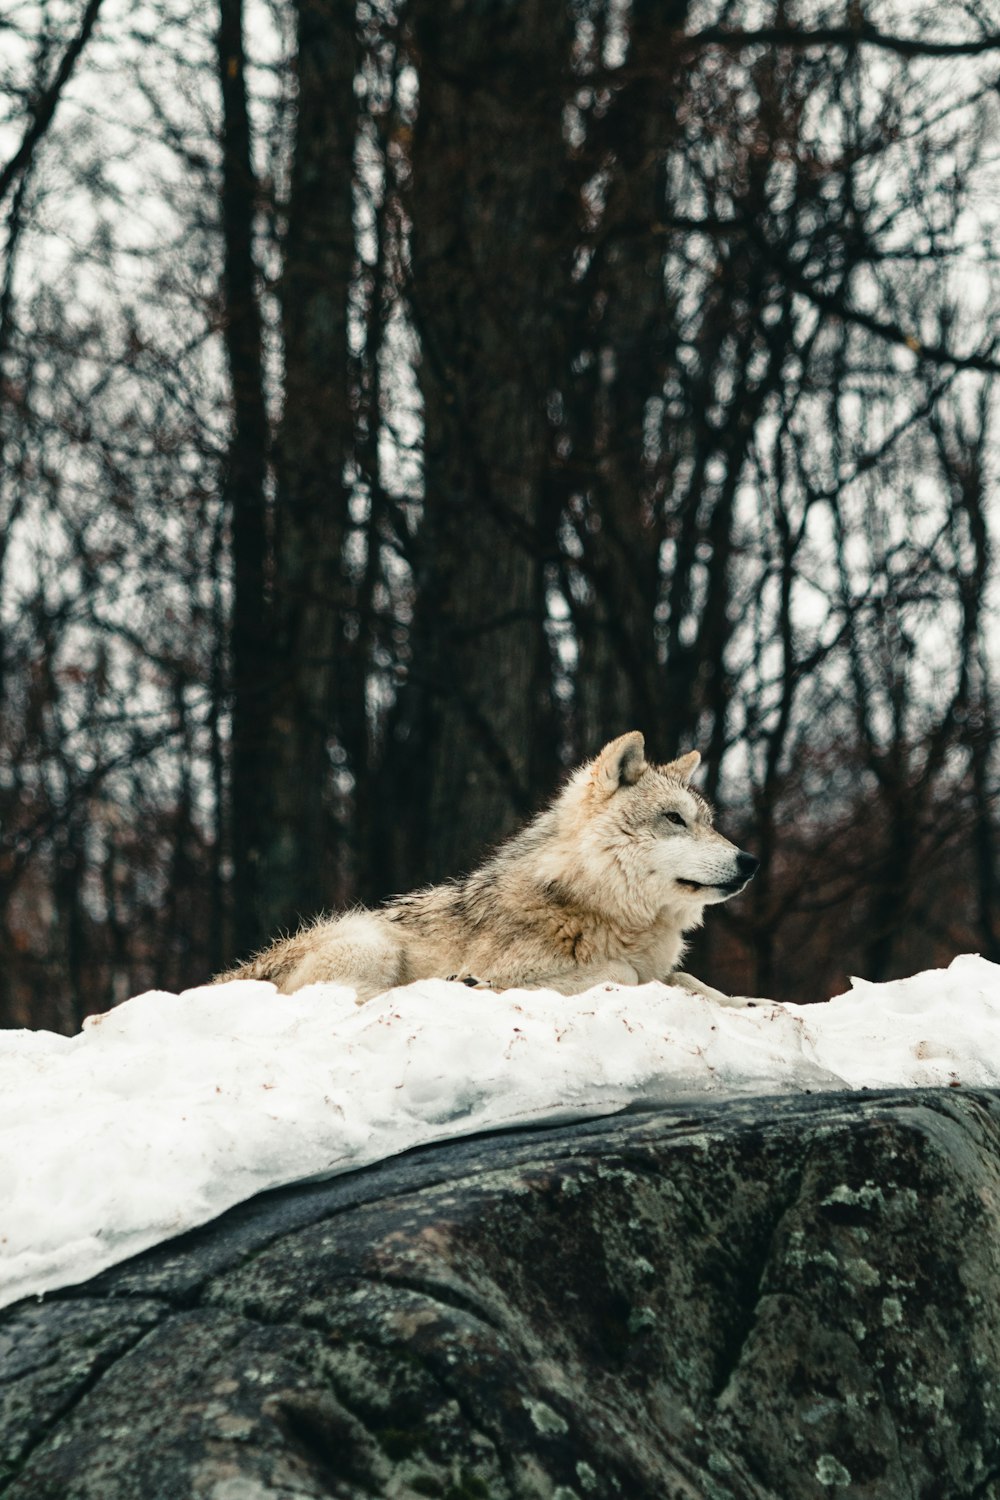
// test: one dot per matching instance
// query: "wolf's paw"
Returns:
(751, 1002)
(696, 987)
(472, 981)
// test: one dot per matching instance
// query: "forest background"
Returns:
(399, 400)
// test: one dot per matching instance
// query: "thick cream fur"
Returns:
(592, 890)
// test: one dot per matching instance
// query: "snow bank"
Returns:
(169, 1109)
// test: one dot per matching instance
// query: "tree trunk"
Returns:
(627, 326)
(245, 492)
(312, 589)
(473, 736)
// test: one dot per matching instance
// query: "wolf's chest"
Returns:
(655, 953)
(652, 952)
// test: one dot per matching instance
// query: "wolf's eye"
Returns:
(676, 817)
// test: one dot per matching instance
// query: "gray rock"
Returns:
(774, 1299)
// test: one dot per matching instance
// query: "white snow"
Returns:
(169, 1109)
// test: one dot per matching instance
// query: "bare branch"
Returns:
(863, 34)
(44, 108)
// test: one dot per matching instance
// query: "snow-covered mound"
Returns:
(169, 1109)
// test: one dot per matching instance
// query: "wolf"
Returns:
(602, 886)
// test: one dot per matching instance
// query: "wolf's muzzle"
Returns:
(747, 865)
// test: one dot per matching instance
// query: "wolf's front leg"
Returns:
(578, 980)
(696, 987)
(564, 981)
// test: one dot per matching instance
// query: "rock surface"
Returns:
(754, 1300)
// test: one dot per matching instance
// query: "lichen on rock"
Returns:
(749, 1300)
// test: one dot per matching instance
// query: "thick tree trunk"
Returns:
(472, 739)
(311, 587)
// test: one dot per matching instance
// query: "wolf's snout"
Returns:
(747, 865)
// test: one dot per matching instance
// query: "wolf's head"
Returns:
(655, 830)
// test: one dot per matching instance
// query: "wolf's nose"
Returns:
(747, 864)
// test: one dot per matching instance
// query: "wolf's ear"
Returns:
(620, 764)
(685, 767)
